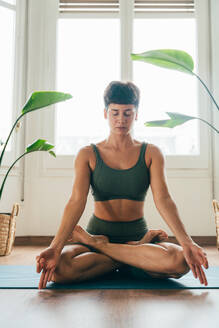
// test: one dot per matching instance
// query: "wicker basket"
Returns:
(216, 211)
(7, 230)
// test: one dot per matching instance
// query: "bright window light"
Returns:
(86, 65)
(7, 37)
(164, 90)
(87, 61)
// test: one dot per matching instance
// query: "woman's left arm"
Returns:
(194, 254)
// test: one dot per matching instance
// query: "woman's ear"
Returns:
(105, 113)
(136, 115)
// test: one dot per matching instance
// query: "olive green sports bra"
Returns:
(108, 183)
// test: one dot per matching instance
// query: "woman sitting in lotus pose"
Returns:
(119, 170)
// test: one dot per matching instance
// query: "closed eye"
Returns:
(124, 114)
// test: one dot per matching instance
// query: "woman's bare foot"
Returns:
(151, 236)
(82, 236)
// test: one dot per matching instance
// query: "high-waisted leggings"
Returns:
(117, 231)
(120, 232)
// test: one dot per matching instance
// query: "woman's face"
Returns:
(121, 117)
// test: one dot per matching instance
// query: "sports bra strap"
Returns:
(96, 151)
(142, 154)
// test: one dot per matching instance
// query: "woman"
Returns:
(119, 170)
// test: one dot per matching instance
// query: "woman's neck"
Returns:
(119, 142)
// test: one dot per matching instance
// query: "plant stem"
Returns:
(2, 186)
(209, 124)
(208, 91)
(1, 157)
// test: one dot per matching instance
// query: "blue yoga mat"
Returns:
(26, 277)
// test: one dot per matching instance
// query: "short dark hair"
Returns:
(118, 92)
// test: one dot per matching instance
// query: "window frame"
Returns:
(63, 164)
(19, 87)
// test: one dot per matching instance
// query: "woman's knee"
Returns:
(67, 266)
(178, 264)
(62, 268)
(175, 263)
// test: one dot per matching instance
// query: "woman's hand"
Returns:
(196, 257)
(47, 260)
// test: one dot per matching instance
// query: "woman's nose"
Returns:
(121, 118)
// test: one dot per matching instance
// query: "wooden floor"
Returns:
(106, 308)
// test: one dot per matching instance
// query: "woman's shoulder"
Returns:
(86, 154)
(153, 153)
(154, 149)
(85, 150)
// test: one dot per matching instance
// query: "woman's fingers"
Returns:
(46, 278)
(204, 276)
(38, 267)
(204, 260)
(201, 275)
(206, 263)
(41, 280)
(40, 264)
(192, 267)
(44, 275)
(50, 274)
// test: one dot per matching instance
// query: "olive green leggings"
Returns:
(120, 232)
(117, 231)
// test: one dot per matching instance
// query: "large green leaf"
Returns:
(41, 99)
(176, 119)
(168, 58)
(40, 145)
(38, 99)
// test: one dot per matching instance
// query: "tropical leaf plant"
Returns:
(177, 60)
(37, 100)
(38, 145)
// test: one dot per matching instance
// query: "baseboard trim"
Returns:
(46, 240)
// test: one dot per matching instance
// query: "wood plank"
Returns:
(46, 240)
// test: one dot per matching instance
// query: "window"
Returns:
(7, 37)
(88, 59)
(165, 90)
(85, 66)
(126, 21)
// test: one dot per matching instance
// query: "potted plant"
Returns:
(37, 100)
(181, 61)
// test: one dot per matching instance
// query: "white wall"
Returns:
(46, 191)
(215, 88)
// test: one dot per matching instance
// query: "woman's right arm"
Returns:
(77, 202)
(49, 258)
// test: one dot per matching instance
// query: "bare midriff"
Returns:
(119, 209)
